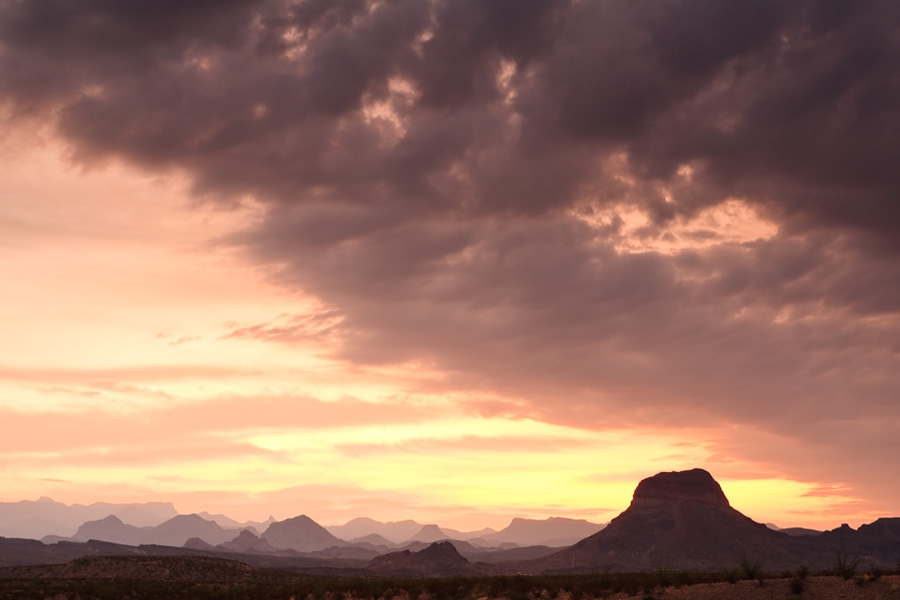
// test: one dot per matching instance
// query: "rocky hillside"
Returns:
(682, 520)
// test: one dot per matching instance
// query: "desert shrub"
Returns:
(751, 568)
(802, 572)
(797, 585)
(875, 572)
(730, 574)
(845, 566)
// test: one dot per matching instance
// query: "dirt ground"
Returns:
(886, 587)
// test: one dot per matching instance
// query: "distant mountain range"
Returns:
(679, 520)
(173, 532)
(39, 518)
(135, 524)
(555, 531)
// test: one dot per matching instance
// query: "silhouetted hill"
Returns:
(174, 532)
(157, 568)
(798, 531)
(301, 534)
(680, 519)
(876, 541)
(224, 521)
(504, 555)
(18, 551)
(247, 541)
(429, 534)
(440, 559)
(198, 544)
(793, 530)
(112, 529)
(178, 530)
(348, 552)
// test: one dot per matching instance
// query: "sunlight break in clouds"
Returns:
(458, 261)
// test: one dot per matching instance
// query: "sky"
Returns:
(456, 261)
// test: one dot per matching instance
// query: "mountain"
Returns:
(174, 532)
(178, 530)
(112, 529)
(374, 540)
(798, 531)
(493, 555)
(247, 541)
(223, 521)
(507, 555)
(793, 530)
(455, 534)
(43, 517)
(555, 531)
(397, 532)
(440, 559)
(682, 520)
(198, 544)
(349, 552)
(149, 514)
(428, 534)
(256, 526)
(678, 520)
(301, 534)
(878, 541)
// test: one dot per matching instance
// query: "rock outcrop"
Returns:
(679, 520)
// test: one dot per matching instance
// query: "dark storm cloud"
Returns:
(790, 105)
(430, 169)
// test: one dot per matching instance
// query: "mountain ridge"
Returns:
(684, 520)
(679, 519)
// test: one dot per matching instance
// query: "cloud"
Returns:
(107, 377)
(475, 444)
(783, 105)
(164, 431)
(290, 328)
(453, 180)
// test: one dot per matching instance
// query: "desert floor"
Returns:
(886, 587)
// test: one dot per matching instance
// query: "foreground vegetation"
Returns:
(283, 585)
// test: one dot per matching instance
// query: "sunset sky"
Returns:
(455, 261)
